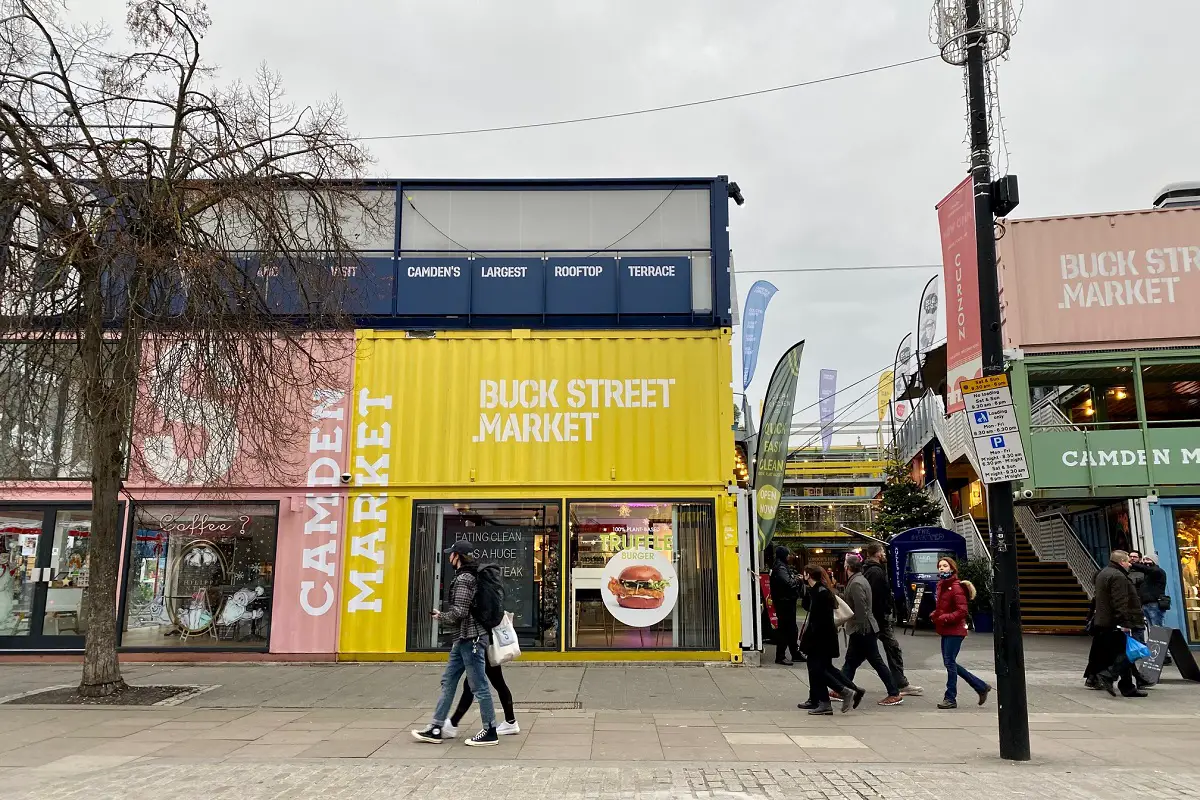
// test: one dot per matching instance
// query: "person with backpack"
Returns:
(473, 605)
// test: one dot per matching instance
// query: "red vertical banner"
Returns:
(764, 583)
(960, 261)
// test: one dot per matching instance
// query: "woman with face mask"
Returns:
(950, 620)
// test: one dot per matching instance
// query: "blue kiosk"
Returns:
(913, 556)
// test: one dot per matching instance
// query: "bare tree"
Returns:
(173, 264)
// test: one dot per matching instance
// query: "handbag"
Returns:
(504, 646)
(1134, 650)
(1164, 603)
(843, 613)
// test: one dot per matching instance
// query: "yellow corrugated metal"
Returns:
(444, 429)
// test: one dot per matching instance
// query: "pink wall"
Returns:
(312, 512)
(1101, 281)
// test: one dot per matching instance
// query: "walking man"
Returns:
(883, 607)
(1117, 612)
(785, 591)
(864, 632)
(467, 654)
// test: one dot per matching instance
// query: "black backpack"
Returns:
(488, 605)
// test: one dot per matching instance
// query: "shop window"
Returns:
(521, 538)
(200, 575)
(1093, 397)
(1172, 393)
(1187, 540)
(643, 575)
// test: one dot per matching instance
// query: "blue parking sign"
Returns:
(981, 417)
(997, 442)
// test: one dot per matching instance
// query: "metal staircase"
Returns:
(1055, 574)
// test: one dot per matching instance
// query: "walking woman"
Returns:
(950, 620)
(819, 643)
(495, 677)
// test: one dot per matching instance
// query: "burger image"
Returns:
(639, 586)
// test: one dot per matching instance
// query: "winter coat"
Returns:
(1153, 584)
(949, 615)
(858, 595)
(1117, 603)
(785, 589)
(820, 636)
(882, 602)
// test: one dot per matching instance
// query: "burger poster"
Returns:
(639, 586)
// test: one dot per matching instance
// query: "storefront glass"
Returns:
(21, 532)
(1187, 540)
(200, 575)
(642, 575)
(522, 538)
(66, 594)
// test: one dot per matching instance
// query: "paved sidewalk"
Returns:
(332, 731)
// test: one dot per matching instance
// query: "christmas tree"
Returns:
(903, 504)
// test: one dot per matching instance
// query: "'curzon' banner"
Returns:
(771, 463)
(960, 261)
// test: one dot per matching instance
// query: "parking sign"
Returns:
(994, 432)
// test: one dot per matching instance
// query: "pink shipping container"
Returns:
(1101, 281)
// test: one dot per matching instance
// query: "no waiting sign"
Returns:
(992, 420)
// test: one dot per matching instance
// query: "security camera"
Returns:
(735, 193)
(1027, 494)
(346, 477)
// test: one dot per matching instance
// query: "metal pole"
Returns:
(1006, 600)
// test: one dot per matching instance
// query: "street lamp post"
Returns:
(971, 33)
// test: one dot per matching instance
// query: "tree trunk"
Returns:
(101, 669)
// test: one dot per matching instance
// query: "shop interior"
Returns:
(66, 556)
(200, 576)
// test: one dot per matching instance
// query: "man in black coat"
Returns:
(1151, 587)
(1117, 613)
(883, 606)
(785, 591)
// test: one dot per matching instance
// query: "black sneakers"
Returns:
(485, 738)
(432, 735)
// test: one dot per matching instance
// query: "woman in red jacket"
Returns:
(950, 620)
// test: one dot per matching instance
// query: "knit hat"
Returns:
(1152, 558)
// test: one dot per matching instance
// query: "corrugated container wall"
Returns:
(1102, 281)
(516, 408)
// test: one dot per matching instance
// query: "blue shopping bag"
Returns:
(1135, 650)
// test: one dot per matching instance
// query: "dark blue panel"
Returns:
(370, 286)
(431, 286)
(581, 286)
(656, 285)
(507, 286)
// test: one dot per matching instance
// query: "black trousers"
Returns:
(1107, 657)
(495, 677)
(786, 636)
(865, 647)
(823, 676)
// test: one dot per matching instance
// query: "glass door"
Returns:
(43, 577)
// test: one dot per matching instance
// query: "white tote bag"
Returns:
(504, 646)
(843, 613)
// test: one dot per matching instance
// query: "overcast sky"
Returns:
(1098, 100)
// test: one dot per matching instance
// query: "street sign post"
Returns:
(993, 423)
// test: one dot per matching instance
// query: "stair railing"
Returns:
(977, 547)
(1053, 539)
(935, 492)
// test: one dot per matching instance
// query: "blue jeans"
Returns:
(1154, 614)
(950, 647)
(469, 656)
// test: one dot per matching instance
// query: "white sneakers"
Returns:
(449, 731)
(508, 729)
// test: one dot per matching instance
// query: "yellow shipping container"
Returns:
(520, 407)
(566, 419)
